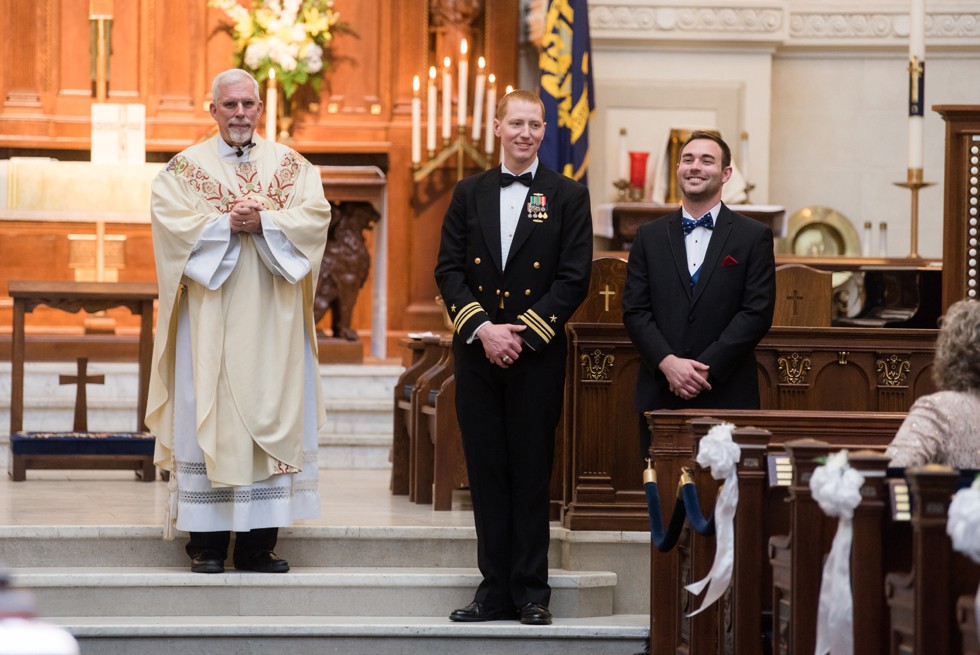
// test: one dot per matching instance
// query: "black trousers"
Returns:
(246, 543)
(508, 420)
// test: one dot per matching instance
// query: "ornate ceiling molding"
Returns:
(784, 24)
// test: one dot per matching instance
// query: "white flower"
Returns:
(289, 10)
(312, 56)
(837, 487)
(718, 452)
(256, 53)
(963, 522)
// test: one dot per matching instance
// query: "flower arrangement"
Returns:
(292, 37)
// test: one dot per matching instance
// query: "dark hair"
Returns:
(726, 152)
(957, 365)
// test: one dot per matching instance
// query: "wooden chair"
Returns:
(804, 296)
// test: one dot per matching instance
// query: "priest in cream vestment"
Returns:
(239, 229)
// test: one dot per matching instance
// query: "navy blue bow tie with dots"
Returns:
(705, 221)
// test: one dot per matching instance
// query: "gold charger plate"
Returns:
(819, 231)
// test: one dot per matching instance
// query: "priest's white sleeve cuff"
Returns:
(278, 253)
(215, 254)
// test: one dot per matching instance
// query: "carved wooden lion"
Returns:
(345, 267)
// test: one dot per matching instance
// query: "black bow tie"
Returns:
(506, 179)
(705, 221)
(240, 150)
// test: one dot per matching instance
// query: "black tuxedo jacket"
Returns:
(546, 275)
(719, 323)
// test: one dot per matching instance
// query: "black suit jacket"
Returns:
(719, 323)
(546, 275)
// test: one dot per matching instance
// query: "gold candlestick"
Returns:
(913, 184)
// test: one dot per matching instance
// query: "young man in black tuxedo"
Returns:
(514, 263)
(700, 293)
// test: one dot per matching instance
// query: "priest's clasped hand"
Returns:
(245, 216)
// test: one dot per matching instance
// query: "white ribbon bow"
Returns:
(837, 488)
(963, 527)
(718, 452)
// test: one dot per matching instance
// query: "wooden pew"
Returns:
(674, 438)
(966, 617)
(420, 456)
(839, 369)
(797, 562)
(424, 355)
(440, 465)
(923, 602)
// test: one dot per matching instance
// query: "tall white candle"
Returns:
(491, 113)
(447, 99)
(478, 100)
(464, 78)
(416, 122)
(271, 106)
(624, 157)
(508, 90)
(745, 156)
(430, 125)
(917, 55)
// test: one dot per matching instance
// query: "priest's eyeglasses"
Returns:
(232, 105)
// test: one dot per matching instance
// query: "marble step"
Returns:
(623, 634)
(325, 591)
(626, 554)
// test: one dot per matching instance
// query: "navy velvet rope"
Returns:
(664, 541)
(701, 525)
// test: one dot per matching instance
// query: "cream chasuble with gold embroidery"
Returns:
(235, 399)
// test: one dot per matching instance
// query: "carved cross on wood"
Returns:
(795, 297)
(607, 292)
(81, 400)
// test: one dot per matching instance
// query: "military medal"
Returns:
(537, 208)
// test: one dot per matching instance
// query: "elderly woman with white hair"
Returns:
(944, 427)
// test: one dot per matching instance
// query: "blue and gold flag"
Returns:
(566, 88)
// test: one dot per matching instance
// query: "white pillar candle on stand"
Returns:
(416, 122)
(464, 78)
(447, 99)
(430, 125)
(491, 113)
(745, 156)
(478, 100)
(271, 106)
(624, 157)
(917, 55)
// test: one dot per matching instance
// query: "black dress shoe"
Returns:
(263, 562)
(207, 562)
(535, 614)
(475, 612)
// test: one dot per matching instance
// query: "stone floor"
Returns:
(348, 498)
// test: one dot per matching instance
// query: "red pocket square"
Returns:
(729, 261)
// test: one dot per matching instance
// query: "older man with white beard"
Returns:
(239, 229)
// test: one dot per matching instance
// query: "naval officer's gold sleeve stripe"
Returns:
(466, 313)
(540, 327)
(531, 315)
